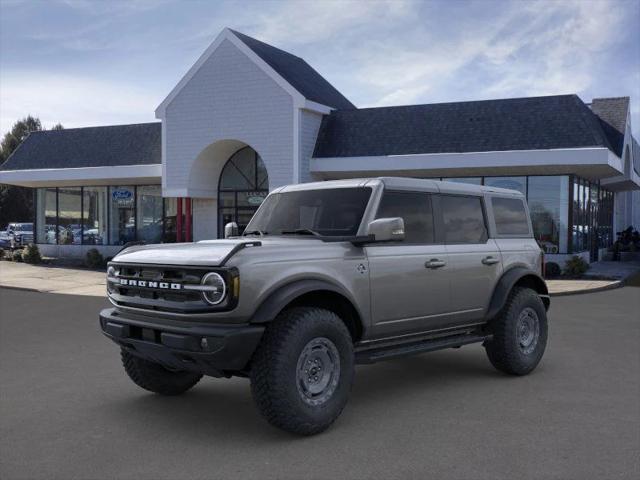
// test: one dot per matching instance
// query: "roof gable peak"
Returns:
(290, 72)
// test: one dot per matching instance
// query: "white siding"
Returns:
(205, 219)
(229, 97)
(309, 126)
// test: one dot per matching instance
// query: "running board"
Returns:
(385, 353)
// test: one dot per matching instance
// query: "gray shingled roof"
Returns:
(298, 73)
(88, 147)
(533, 123)
(613, 116)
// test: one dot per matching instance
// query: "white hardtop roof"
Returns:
(403, 183)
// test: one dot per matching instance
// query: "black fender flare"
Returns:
(284, 295)
(506, 284)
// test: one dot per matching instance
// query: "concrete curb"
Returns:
(26, 289)
(612, 286)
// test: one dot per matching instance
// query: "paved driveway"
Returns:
(44, 278)
(68, 411)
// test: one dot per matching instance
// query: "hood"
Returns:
(214, 253)
(211, 253)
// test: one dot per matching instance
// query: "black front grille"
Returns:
(151, 296)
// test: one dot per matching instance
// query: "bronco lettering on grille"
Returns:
(148, 284)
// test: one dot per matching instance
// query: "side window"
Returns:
(510, 216)
(415, 210)
(463, 219)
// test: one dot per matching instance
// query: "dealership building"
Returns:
(248, 117)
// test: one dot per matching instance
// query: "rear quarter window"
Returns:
(510, 216)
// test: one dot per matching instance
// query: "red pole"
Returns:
(179, 220)
(187, 216)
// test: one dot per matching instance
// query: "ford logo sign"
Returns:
(122, 194)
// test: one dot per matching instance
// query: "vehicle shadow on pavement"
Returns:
(395, 378)
(213, 408)
(221, 408)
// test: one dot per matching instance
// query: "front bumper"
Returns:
(215, 350)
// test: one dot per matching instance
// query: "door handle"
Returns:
(434, 263)
(490, 260)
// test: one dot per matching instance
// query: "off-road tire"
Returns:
(155, 378)
(275, 384)
(504, 349)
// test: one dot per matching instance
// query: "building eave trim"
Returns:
(433, 161)
(81, 175)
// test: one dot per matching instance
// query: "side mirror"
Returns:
(387, 229)
(231, 230)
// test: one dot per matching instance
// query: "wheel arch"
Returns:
(316, 293)
(517, 277)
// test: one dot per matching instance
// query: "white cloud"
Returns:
(528, 48)
(306, 22)
(73, 101)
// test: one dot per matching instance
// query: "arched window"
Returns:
(244, 184)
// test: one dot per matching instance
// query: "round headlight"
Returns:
(216, 288)
(111, 273)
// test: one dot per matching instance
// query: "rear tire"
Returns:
(155, 378)
(302, 371)
(519, 333)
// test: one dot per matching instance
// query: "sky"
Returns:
(101, 62)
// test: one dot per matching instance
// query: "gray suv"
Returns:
(326, 276)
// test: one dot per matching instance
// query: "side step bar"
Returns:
(385, 353)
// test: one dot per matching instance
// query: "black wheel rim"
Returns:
(528, 330)
(318, 371)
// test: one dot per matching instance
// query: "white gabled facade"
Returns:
(230, 99)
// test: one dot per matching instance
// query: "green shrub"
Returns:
(31, 254)
(575, 266)
(94, 259)
(16, 256)
(551, 270)
(1, 253)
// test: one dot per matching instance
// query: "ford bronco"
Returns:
(326, 276)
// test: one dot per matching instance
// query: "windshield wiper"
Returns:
(301, 231)
(254, 232)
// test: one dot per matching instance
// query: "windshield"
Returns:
(326, 212)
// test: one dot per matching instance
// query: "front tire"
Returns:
(155, 378)
(519, 333)
(302, 371)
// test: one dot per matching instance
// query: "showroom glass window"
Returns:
(94, 215)
(605, 213)
(548, 198)
(70, 216)
(244, 184)
(512, 183)
(581, 215)
(46, 215)
(122, 218)
(587, 213)
(170, 220)
(149, 213)
(594, 190)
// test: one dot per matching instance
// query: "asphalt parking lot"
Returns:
(68, 411)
